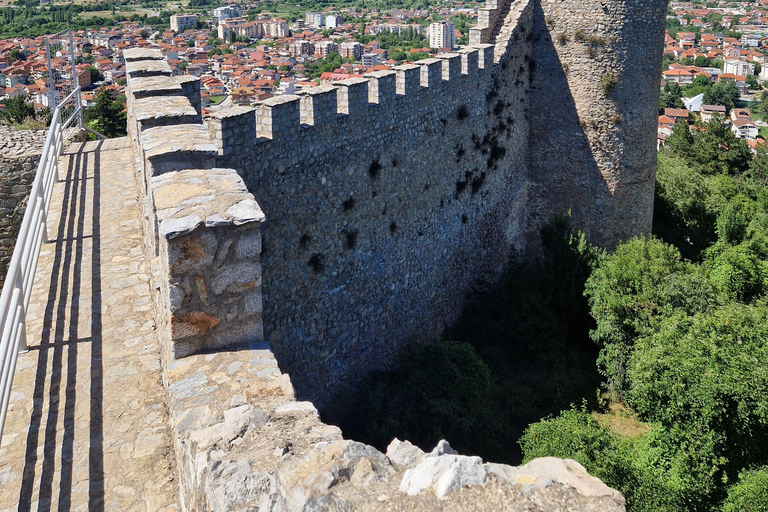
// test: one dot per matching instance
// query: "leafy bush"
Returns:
(705, 378)
(627, 293)
(750, 494)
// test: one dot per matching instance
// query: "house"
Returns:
(744, 129)
(676, 114)
(694, 104)
(741, 113)
(679, 76)
(707, 111)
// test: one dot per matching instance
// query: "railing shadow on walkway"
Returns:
(64, 299)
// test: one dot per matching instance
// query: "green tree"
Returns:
(705, 378)
(643, 280)
(109, 112)
(670, 97)
(750, 494)
(718, 150)
(16, 55)
(17, 110)
(723, 93)
(96, 75)
(682, 215)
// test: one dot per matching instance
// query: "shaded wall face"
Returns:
(594, 100)
(380, 223)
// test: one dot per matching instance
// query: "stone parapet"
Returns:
(209, 242)
(244, 443)
(134, 54)
(164, 111)
(147, 68)
(173, 148)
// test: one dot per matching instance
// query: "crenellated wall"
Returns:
(387, 199)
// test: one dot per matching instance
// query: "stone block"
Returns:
(431, 72)
(381, 87)
(408, 77)
(352, 96)
(451, 65)
(278, 116)
(318, 105)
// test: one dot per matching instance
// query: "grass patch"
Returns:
(215, 100)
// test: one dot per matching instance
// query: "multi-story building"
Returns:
(181, 22)
(334, 21)
(276, 28)
(225, 12)
(738, 67)
(441, 35)
(370, 59)
(323, 48)
(351, 50)
(313, 19)
(305, 48)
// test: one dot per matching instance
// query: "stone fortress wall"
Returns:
(385, 201)
(19, 156)
(594, 95)
(388, 199)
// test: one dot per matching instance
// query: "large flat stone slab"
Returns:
(134, 54)
(154, 86)
(163, 111)
(144, 68)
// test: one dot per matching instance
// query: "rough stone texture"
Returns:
(173, 148)
(88, 424)
(19, 156)
(134, 54)
(146, 68)
(209, 242)
(164, 111)
(245, 444)
(594, 99)
(383, 210)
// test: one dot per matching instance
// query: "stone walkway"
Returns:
(88, 422)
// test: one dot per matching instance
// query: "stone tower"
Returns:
(596, 66)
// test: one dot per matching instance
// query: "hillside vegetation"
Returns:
(649, 365)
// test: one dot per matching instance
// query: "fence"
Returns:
(33, 232)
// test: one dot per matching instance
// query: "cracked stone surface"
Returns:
(132, 54)
(164, 107)
(155, 86)
(186, 199)
(163, 140)
(88, 424)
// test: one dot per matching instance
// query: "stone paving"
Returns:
(88, 425)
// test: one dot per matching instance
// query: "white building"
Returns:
(744, 129)
(228, 11)
(334, 21)
(441, 35)
(370, 59)
(750, 40)
(738, 67)
(351, 50)
(276, 28)
(181, 22)
(313, 19)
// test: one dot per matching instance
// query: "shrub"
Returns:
(750, 494)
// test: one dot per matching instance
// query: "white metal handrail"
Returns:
(21, 271)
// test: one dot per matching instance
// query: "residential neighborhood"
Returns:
(241, 54)
(715, 66)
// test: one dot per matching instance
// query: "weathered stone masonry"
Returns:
(387, 199)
